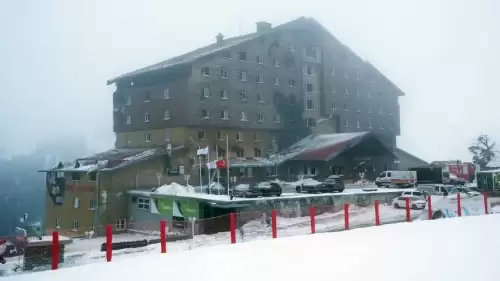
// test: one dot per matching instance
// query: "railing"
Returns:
(108, 243)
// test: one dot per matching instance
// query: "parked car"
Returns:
(335, 183)
(416, 202)
(468, 191)
(245, 190)
(313, 186)
(269, 188)
(437, 189)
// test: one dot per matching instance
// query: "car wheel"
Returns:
(298, 189)
(279, 194)
(414, 207)
(341, 190)
(378, 184)
(244, 195)
(396, 205)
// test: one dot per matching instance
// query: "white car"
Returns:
(416, 202)
(411, 193)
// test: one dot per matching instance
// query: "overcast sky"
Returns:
(55, 58)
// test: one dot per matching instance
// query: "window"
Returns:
(243, 95)
(220, 135)
(243, 116)
(239, 136)
(370, 124)
(345, 75)
(224, 94)
(143, 204)
(146, 117)
(310, 104)
(311, 52)
(259, 98)
(310, 122)
(345, 107)
(201, 135)
(308, 70)
(58, 222)
(334, 105)
(358, 92)
(148, 137)
(255, 136)
(380, 111)
(75, 202)
(277, 118)
(166, 94)
(309, 88)
(243, 76)
(260, 117)
(272, 171)
(92, 204)
(257, 152)
(242, 56)
(369, 110)
(334, 89)
(120, 224)
(92, 176)
(75, 176)
(291, 48)
(146, 97)
(205, 93)
(205, 114)
(260, 59)
(276, 81)
(240, 153)
(226, 54)
(276, 63)
(291, 82)
(223, 74)
(333, 72)
(381, 126)
(346, 124)
(224, 115)
(358, 110)
(205, 71)
(166, 115)
(358, 125)
(76, 225)
(346, 91)
(260, 79)
(357, 75)
(129, 120)
(129, 100)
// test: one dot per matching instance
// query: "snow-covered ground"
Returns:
(83, 251)
(456, 249)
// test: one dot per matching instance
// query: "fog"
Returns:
(55, 58)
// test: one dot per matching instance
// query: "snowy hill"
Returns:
(448, 249)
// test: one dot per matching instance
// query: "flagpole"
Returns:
(227, 164)
(208, 168)
(217, 168)
(199, 157)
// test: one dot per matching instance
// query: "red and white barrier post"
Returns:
(232, 227)
(312, 213)
(429, 207)
(459, 205)
(377, 212)
(55, 250)
(408, 214)
(274, 223)
(346, 216)
(485, 197)
(109, 242)
(163, 236)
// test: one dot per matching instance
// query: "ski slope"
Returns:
(455, 249)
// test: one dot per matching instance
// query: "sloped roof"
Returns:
(320, 147)
(109, 160)
(235, 41)
(399, 152)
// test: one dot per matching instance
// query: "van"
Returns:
(437, 189)
(396, 179)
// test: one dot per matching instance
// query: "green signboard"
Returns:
(182, 208)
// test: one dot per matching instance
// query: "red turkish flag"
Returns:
(221, 164)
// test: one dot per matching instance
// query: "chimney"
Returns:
(263, 26)
(219, 38)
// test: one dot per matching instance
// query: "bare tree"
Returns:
(483, 150)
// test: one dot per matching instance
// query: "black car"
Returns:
(269, 188)
(335, 183)
(245, 190)
(310, 185)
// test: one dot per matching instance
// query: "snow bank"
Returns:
(356, 255)
(175, 189)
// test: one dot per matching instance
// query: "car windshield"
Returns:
(416, 198)
(452, 189)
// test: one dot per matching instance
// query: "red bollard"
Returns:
(485, 196)
(163, 236)
(312, 213)
(232, 227)
(429, 206)
(55, 250)
(408, 215)
(109, 242)
(377, 213)
(346, 216)
(274, 223)
(459, 205)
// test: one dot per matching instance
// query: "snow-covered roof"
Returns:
(108, 160)
(495, 163)
(250, 162)
(319, 147)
